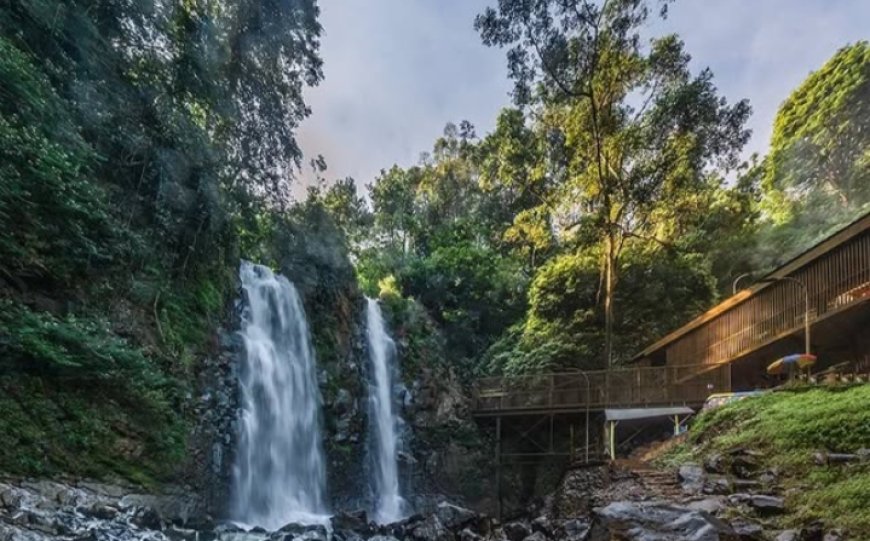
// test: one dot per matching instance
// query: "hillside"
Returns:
(789, 434)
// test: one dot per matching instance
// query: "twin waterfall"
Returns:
(280, 471)
(383, 421)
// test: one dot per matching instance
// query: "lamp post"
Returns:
(588, 393)
(806, 306)
(806, 310)
(734, 284)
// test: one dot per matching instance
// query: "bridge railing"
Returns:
(598, 389)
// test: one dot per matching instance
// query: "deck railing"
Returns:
(599, 389)
(834, 281)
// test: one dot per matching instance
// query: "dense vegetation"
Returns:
(788, 428)
(145, 147)
(139, 140)
(608, 207)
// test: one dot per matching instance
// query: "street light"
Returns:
(734, 285)
(806, 306)
(588, 393)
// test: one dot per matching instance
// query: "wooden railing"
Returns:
(834, 281)
(599, 389)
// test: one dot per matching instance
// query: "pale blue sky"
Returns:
(397, 70)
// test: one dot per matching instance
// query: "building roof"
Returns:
(852, 230)
(645, 413)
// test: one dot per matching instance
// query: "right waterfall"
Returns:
(384, 421)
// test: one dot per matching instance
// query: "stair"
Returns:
(660, 483)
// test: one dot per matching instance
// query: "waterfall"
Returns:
(279, 474)
(383, 419)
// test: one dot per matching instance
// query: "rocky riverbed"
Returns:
(725, 499)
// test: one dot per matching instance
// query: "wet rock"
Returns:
(748, 531)
(813, 532)
(146, 518)
(767, 478)
(468, 535)
(718, 485)
(101, 511)
(713, 506)
(646, 520)
(516, 531)
(536, 536)
(383, 538)
(573, 530)
(543, 525)
(715, 463)
(453, 516)
(745, 484)
(767, 505)
(691, 477)
(354, 520)
(347, 535)
(430, 529)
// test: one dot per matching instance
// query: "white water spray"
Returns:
(279, 473)
(383, 418)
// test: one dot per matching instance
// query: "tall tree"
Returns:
(635, 132)
(820, 148)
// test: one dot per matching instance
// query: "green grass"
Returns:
(789, 427)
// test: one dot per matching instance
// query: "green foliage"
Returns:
(564, 327)
(142, 146)
(55, 219)
(60, 377)
(819, 148)
(633, 135)
(788, 428)
(420, 340)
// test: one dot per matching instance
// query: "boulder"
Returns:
(573, 530)
(516, 531)
(430, 529)
(664, 522)
(747, 530)
(713, 505)
(543, 525)
(718, 485)
(766, 505)
(536, 536)
(453, 516)
(691, 477)
(354, 520)
(468, 535)
(715, 463)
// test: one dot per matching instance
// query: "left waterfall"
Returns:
(279, 474)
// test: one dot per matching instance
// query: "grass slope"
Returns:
(789, 427)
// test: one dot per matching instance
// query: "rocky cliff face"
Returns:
(213, 441)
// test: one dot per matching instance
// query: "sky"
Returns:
(396, 71)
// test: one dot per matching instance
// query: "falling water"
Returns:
(383, 419)
(279, 471)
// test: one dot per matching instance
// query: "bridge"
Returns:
(817, 302)
(597, 390)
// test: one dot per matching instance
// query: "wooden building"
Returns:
(829, 284)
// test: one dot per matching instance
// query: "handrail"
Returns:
(630, 386)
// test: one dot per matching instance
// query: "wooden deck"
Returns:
(568, 392)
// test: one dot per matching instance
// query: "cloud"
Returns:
(398, 70)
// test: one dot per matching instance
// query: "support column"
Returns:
(612, 439)
(498, 464)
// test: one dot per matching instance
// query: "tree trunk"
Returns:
(609, 288)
